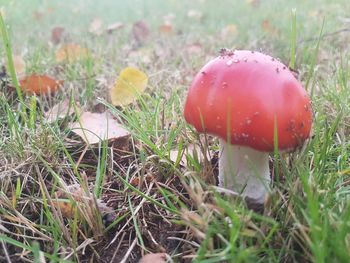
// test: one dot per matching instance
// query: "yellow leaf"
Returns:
(71, 53)
(129, 85)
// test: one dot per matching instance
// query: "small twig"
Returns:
(127, 254)
(119, 244)
(5, 252)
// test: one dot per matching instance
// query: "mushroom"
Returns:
(248, 99)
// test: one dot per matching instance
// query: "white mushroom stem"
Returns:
(245, 171)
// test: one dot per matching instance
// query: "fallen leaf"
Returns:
(56, 34)
(20, 66)
(61, 110)
(38, 15)
(136, 180)
(65, 205)
(114, 27)
(129, 85)
(269, 28)
(194, 49)
(71, 53)
(229, 31)
(140, 31)
(154, 258)
(140, 55)
(73, 197)
(94, 127)
(195, 14)
(50, 10)
(253, 3)
(169, 17)
(2, 12)
(166, 28)
(315, 13)
(96, 27)
(39, 84)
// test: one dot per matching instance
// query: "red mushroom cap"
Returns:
(241, 95)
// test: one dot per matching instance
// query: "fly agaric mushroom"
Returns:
(247, 99)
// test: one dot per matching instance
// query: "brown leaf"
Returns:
(140, 31)
(154, 258)
(253, 3)
(166, 28)
(114, 27)
(38, 15)
(64, 204)
(56, 34)
(269, 28)
(169, 17)
(94, 127)
(71, 53)
(136, 180)
(229, 31)
(40, 84)
(96, 27)
(61, 110)
(194, 49)
(195, 14)
(73, 196)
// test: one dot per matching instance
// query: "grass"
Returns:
(160, 204)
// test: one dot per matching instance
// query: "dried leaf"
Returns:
(20, 66)
(253, 3)
(74, 196)
(229, 31)
(56, 34)
(154, 258)
(38, 15)
(61, 110)
(65, 205)
(166, 28)
(129, 85)
(2, 12)
(39, 84)
(114, 27)
(93, 127)
(136, 180)
(169, 17)
(269, 28)
(195, 14)
(140, 31)
(96, 27)
(315, 13)
(71, 53)
(194, 49)
(140, 55)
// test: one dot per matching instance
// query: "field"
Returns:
(150, 189)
